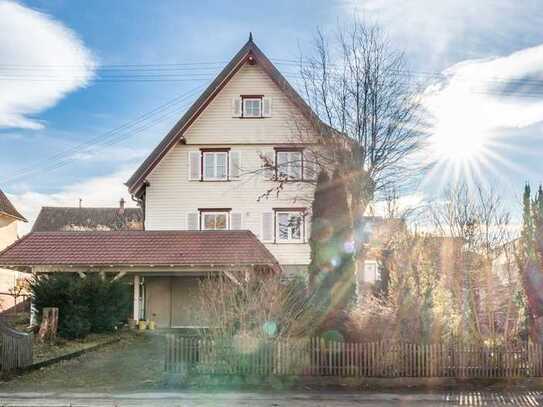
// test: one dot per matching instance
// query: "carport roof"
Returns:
(138, 248)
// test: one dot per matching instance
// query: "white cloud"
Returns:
(42, 61)
(442, 31)
(98, 191)
(477, 100)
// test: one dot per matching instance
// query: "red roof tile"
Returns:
(138, 248)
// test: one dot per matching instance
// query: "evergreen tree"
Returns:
(332, 268)
(319, 229)
(530, 261)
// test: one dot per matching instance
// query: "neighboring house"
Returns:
(199, 190)
(376, 236)
(9, 217)
(66, 219)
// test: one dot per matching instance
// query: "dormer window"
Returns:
(252, 107)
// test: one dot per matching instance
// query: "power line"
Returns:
(129, 129)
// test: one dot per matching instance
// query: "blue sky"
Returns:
(453, 47)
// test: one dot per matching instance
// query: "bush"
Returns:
(86, 305)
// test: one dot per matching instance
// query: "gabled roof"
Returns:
(62, 219)
(7, 208)
(138, 248)
(248, 53)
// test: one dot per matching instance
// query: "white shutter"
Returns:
(266, 107)
(235, 164)
(267, 227)
(310, 166)
(194, 166)
(193, 221)
(236, 106)
(236, 221)
(269, 172)
(307, 218)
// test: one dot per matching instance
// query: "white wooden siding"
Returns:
(171, 196)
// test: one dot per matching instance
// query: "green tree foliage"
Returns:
(86, 305)
(332, 268)
(530, 264)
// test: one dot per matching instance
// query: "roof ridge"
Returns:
(249, 49)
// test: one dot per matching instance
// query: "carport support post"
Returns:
(136, 297)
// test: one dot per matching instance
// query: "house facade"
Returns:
(209, 194)
(9, 279)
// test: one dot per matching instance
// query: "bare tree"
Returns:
(478, 224)
(366, 110)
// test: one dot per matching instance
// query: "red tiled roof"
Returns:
(138, 248)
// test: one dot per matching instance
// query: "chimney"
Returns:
(121, 207)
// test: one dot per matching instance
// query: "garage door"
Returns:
(186, 310)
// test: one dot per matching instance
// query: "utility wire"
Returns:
(116, 135)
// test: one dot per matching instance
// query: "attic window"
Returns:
(252, 106)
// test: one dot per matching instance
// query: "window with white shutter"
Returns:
(193, 221)
(266, 107)
(236, 106)
(194, 165)
(235, 164)
(236, 221)
(215, 165)
(267, 227)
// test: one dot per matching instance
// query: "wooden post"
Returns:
(136, 310)
(49, 324)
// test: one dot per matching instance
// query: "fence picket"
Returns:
(316, 356)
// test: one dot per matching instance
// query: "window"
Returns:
(252, 107)
(214, 220)
(289, 164)
(371, 272)
(289, 226)
(215, 165)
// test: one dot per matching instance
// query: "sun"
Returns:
(458, 152)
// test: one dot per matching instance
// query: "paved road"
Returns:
(308, 399)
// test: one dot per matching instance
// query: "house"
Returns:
(65, 219)
(202, 191)
(9, 279)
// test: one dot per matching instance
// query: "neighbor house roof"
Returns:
(7, 208)
(62, 219)
(138, 248)
(248, 53)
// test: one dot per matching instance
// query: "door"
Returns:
(158, 292)
(186, 308)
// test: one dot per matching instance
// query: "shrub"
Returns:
(86, 305)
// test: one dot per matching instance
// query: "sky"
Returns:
(87, 89)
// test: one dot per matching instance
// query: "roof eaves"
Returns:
(175, 134)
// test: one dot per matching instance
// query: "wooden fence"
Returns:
(317, 357)
(15, 349)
